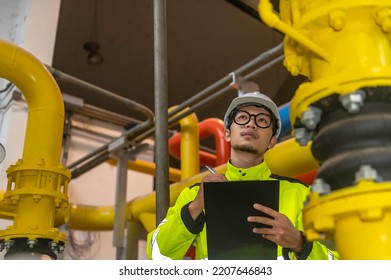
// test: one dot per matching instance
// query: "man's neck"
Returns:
(245, 160)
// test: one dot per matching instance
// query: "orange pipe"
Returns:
(307, 177)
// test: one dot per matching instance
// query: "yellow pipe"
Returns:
(355, 34)
(147, 203)
(101, 218)
(281, 158)
(4, 209)
(190, 146)
(148, 220)
(37, 183)
(189, 153)
(148, 168)
(288, 158)
(361, 56)
(270, 18)
(141, 209)
(46, 108)
(85, 217)
(357, 218)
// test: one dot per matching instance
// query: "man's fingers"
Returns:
(261, 220)
(271, 212)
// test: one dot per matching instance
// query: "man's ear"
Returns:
(273, 142)
(227, 135)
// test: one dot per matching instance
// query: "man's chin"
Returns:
(245, 148)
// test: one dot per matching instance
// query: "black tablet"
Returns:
(227, 206)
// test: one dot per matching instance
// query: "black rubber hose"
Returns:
(339, 171)
(346, 141)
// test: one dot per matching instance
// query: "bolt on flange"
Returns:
(367, 172)
(354, 101)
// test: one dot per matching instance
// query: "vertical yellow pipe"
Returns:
(37, 183)
(190, 147)
(46, 108)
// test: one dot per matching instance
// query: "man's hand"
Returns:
(197, 205)
(281, 231)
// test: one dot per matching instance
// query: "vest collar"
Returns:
(258, 172)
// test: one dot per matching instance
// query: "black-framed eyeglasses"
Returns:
(262, 120)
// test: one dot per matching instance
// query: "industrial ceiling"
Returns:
(206, 41)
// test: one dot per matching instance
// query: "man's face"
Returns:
(249, 137)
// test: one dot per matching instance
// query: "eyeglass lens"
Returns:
(262, 120)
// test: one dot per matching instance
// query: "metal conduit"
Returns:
(277, 50)
(161, 107)
(58, 75)
(219, 94)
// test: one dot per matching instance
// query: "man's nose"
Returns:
(251, 122)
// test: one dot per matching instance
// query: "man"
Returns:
(252, 124)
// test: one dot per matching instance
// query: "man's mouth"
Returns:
(249, 133)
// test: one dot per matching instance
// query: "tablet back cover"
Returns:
(227, 206)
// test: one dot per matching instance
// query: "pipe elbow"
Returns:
(268, 16)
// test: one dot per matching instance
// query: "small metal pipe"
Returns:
(120, 204)
(219, 94)
(58, 75)
(76, 172)
(133, 229)
(102, 154)
(66, 138)
(90, 155)
(161, 110)
(265, 67)
(277, 50)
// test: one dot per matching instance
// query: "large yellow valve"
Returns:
(344, 49)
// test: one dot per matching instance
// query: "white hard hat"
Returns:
(253, 98)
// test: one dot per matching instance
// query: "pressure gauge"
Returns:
(2, 153)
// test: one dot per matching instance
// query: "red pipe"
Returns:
(307, 177)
